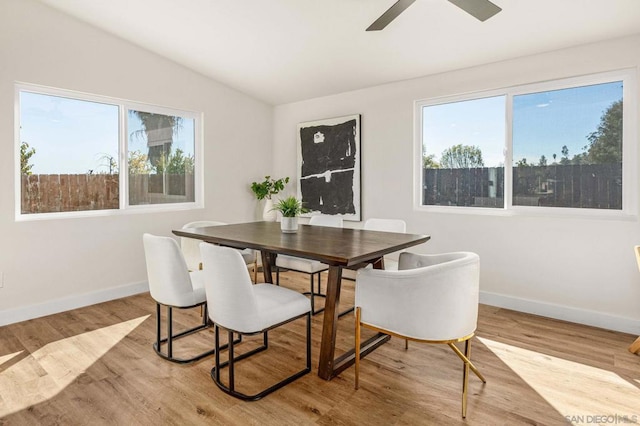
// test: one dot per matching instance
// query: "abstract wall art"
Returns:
(329, 166)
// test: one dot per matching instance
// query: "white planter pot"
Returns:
(289, 225)
(268, 214)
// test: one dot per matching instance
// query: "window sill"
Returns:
(546, 212)
(141, 209)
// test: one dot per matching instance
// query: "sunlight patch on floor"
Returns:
(581, 393)
(5, 358)
(46, 372)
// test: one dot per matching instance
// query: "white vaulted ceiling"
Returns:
(282, 51)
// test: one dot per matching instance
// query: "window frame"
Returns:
(630, 185)
(123, 145)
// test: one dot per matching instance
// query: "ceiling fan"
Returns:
(480, 9)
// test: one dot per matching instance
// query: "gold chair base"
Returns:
(465, 357)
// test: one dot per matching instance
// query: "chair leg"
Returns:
(158, 327)
(232, 376)
(205, 314)
(320, 293)
(233, 359)
(157, 346)
(357, 347)
(313, 294)
(465, 378)
(635, 347)
(169, 332)
(467, 360)
(465, 372)
(309, 341)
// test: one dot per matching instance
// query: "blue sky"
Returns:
(479, 122)
(75, 136)
(69, 136)
(542, 123)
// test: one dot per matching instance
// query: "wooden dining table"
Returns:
(337, 247)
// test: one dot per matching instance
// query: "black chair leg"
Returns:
(157, 346)
(233, 359)
(313, 294)
(169, 332)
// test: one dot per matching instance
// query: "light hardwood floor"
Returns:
(95, 365)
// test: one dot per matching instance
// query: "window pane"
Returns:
(161, 158)
(463, 160)
(567, 147)
(68, 154)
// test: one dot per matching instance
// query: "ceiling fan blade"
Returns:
(391, 14)
(480, 9)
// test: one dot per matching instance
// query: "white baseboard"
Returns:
(70, 302)
(580, 316)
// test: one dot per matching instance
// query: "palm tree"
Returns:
(159, 129)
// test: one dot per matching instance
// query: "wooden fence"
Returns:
(596, 186)
(69, 193)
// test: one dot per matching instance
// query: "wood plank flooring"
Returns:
(96, 366)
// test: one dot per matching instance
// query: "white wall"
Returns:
(582, 270)
(579, 269)
(59, 264)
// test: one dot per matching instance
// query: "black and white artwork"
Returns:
(329, 166)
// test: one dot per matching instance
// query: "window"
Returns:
(81, 153)
(549, 147)
(567, 147)
(161, 158)
(463, 156)
(68, 154)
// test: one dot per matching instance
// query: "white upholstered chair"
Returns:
(240, 307)
(430, 298)
(384, 225)
(312, 267)
(172, 285)
(191, 249)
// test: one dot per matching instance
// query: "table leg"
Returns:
(266, 266)
(330, 323)
(328, 366)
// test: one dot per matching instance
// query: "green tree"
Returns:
(542, 161)
(605, 144)
(159, 130)
(565, 156)
(580, 159)
(26, 152)
(138, 163)
(428, 162)
(461, 157)
(179, 164)
(523, 163)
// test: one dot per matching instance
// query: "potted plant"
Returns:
(290, 208)
(264, 190)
